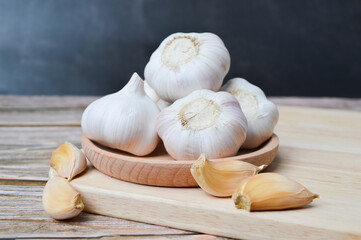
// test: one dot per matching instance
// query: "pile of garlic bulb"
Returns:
(182, 103)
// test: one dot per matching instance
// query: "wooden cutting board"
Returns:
(319, 148)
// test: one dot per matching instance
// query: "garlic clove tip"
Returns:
(68, 161)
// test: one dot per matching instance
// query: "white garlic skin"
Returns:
(185, 62)
(124, 120)
(262, 115)
(202, 122)
(153, 95)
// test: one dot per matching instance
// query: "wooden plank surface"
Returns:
(42, 110)
(67, 110)
(32, 127)
(336, 215)
(22, 215)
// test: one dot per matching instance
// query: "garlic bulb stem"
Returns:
(135, 85)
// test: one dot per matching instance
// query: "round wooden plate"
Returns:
(160, 169)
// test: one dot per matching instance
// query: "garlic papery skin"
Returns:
(221, 178)
(68, 161)
(271, 191)
(203, 122)
(124, 120)
(153, 95)
(262, 114)
(60, 199)
(52, 173)
(185, 62)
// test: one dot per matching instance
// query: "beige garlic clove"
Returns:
(221, 178)
(61, 200)
(68, 161)
(52, 173)
(271, 191)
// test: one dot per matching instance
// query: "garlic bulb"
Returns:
(185, 62)
(203, 122)
(153, 95)
(123, 120)
(261, 114)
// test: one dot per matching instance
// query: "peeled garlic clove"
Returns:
(68, 161)
(203, 122)
(185, 62)
(153, 95)
(52, 173)
(271, 191)
(124, 120)
(261, 114)
(61, 200)
(221, 178)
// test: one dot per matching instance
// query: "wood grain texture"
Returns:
(22, 216)
(67, 110)
(30, 129)
(42, 110)
(38, 137)
(318, 102)
(319, 148)
(18, 102)
(159, 168)
(21, 103)
(25, 151)
(33, 126)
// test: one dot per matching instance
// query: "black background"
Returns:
(92, 47)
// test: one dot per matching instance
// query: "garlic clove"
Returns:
(61, 200)
(203, 122)
(271, 191)
(124, 120)
(68, 161)
(221, 178)
(185, 62)
(262, 114)
(52, 173)
(153, 95)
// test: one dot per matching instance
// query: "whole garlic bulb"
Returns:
(185, 62)
(153, 95)
(261, 114)
(123, 120)
(203, 122)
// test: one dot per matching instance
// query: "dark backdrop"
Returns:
(309, 48)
